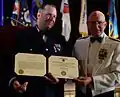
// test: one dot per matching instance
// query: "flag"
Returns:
(1, 12)
(66, 25)
(15, 13)
(24, 17)
(34, 8)
(83, 19)
(113, 25)
(20, 15)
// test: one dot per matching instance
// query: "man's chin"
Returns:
(49, 27)
(98, 34)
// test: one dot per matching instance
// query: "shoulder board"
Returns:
(83, 37)
(114, 39)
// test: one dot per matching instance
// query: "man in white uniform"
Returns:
(99, 60)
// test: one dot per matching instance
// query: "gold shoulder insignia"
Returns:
(114, 39)
(83, 37)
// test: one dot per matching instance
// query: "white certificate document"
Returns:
(30, 64)
(63, 67)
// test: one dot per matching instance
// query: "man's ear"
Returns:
(39, 14)
(105, 23)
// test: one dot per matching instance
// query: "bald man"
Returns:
(99, 60)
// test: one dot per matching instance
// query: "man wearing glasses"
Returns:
(99, 60)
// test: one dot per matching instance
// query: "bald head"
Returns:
(95, 15)
(96, 23)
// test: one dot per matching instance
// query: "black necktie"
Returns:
(93, 39)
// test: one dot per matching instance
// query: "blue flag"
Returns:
(36, 4)
(1, 12)
(24, 17)
(20, 15)
(113, 25)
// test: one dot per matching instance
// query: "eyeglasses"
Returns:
(96, 22)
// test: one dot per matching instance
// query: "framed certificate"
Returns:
(63, 67)
(30, 64)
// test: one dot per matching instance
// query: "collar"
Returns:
(40, 31)
(103, 35)
(37, 28)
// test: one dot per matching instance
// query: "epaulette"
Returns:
(83, 37)
(114, 39)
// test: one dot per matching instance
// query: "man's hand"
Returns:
(51, 78)
(84, 80)
(20, 87)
